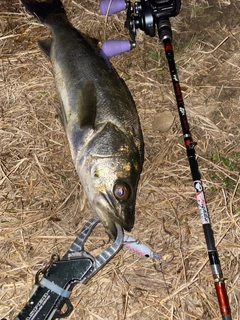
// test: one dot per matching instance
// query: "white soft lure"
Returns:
(142, 249)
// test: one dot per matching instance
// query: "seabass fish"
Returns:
(99, 116)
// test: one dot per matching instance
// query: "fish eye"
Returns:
(121, 191)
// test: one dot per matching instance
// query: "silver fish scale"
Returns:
(86, 63)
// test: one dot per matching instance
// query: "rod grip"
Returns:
(223, 299)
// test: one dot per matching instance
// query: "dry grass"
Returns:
(43, 206)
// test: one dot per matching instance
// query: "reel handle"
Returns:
(114, 47)
(106, 6)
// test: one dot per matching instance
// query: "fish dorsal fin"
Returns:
(45, 46)
(87, 105)
(94, 40)
(91, 40)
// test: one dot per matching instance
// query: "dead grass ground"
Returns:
(43, 206)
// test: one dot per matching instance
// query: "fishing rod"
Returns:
(164, 31)
(145, 15)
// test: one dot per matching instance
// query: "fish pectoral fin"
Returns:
(87, 105)
(45, 46)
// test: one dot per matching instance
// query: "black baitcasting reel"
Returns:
(143, 15)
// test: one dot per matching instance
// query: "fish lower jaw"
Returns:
(109, 224)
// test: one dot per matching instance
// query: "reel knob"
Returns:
(114, 6)
(114, 47)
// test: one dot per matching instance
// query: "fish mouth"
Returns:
(110, 211)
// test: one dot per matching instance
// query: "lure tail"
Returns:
(45, 11)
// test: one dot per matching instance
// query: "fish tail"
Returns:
(45, 11)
